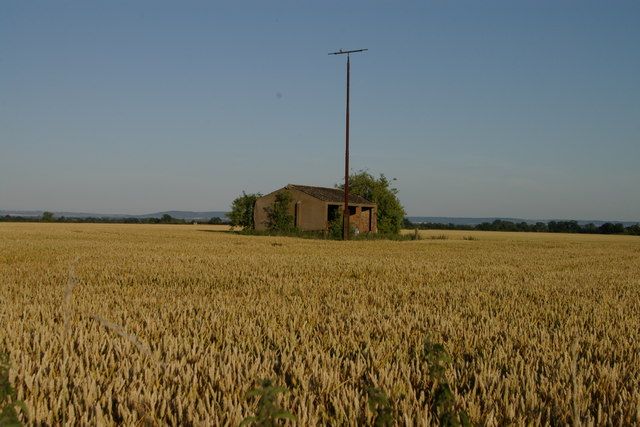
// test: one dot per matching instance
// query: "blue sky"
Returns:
(524, 109)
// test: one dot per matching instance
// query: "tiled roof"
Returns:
(329, 194)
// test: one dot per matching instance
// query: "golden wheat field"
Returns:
(172, 325)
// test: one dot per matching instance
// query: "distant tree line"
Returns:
(164, 219)
(540, 227)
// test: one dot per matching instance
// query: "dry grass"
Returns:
(543, 327)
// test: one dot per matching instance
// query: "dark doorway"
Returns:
(333, 212)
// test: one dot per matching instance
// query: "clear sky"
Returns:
(507, 108)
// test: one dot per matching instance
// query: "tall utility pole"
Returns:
(347, 219)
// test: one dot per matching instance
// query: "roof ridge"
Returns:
(316, 192)
(315, 186)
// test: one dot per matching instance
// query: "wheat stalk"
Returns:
(575, 396)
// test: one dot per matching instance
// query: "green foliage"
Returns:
(441, 226)
(336, 225)
(390, 211)
(609, 228)
(278, 216)
(439, 237)
(166, 219)
(241, 214)
(386, 236)
(633, 230)
(442, 401)
(407, 224)
(216, 220)
(47, 216)
(379, 403)
(8, 396)
(267, 413)
(324, 235)
(538, 227)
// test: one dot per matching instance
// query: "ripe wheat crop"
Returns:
(148, 324)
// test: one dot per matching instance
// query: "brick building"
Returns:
(313, 208)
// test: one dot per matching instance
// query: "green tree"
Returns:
(241, 214)
(633, 229)
(47, 216)
(166, 219)
(609, 228)
(216, 220)
(390, 212)
(278, 216)
(407, 224)
(540, 227)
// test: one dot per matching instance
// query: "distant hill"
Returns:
(476, 221)
(186, 215)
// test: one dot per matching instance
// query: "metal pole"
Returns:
(346, 215)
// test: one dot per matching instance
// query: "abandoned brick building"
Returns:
(313, 208)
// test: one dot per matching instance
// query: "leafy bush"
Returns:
(439, 237)
(242, 207)
(390, 211)
(8, 396)
(336, 225)
(442, 400)
(278, 216)
(267, 413)
(379, 403)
